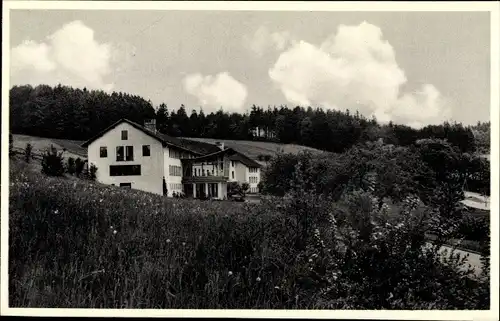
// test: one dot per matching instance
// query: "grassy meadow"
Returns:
(80, 244)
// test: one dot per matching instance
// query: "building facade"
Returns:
(130, 155)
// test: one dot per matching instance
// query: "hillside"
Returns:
(250, 148)
(254, 148)
(40, 144)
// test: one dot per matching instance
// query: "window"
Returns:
(129, 155)
(129, 185)
(232, 174)
(120, 156)
(124, 135)
(125, 170)
(104, 152)
(146, 150)
(232, 163)
(174, 170)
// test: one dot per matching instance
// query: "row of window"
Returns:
(253, 170)
(172, 153)
(253, 180)
(174, 170)
(125, 153)
(254, 190)
(175, 186)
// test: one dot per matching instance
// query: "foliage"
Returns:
(237, 188)
(91, 172)
(71, 167)
(80, 244)
(79, 166)
(28, 152)
(52, 162)
(11, 145)
(69, 113)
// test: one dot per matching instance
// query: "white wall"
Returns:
(150, 179)
(253, 184)
(174, 183)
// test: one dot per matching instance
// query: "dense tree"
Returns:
(65, 112)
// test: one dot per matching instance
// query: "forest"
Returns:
(71, 113)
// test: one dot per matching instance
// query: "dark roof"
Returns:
(165, 139)
(245, 160)
(233, 155)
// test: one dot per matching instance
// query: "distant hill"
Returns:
(252, 149)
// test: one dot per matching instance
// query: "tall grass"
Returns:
(80, 244)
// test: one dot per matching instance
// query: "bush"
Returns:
(27, 153)
(52, 162)
(474, 228)
(91, 172)
(79, 166)
(71, 167)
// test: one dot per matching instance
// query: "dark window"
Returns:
(129, 185)
(104, 152)
(232, 174)
(120, 153)
(124, 135)
(146, 150)
(129, 153)
(124, 170)
(232, 163)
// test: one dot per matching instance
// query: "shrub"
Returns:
(91, 172)
(71, 167)
(52, 162)
(27, 152)
(79, 166)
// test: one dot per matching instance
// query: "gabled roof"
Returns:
(233, 155)
(165, 139)
(244, 160)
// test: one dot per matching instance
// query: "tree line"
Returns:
(78, 114)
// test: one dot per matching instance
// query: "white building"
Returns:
(130, 155)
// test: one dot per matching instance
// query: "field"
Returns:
(255, 148)
(81, 244)
(40, 144)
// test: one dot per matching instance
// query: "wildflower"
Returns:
(257, 279)
(230, 273)
(114, 232)
(183, 243)
(310, 260)
(111, 227)
(277, 287)
(168, 240)
(56, 211)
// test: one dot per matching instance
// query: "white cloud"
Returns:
(263, 40)
(71, 55)
(221, 90)
(356, 69)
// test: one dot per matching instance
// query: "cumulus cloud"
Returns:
(70, 55)
(221, 90)
(356, 69)
(263, 40)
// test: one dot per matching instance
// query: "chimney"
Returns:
(220, 145)
(150, 124)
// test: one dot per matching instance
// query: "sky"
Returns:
(413, 68)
